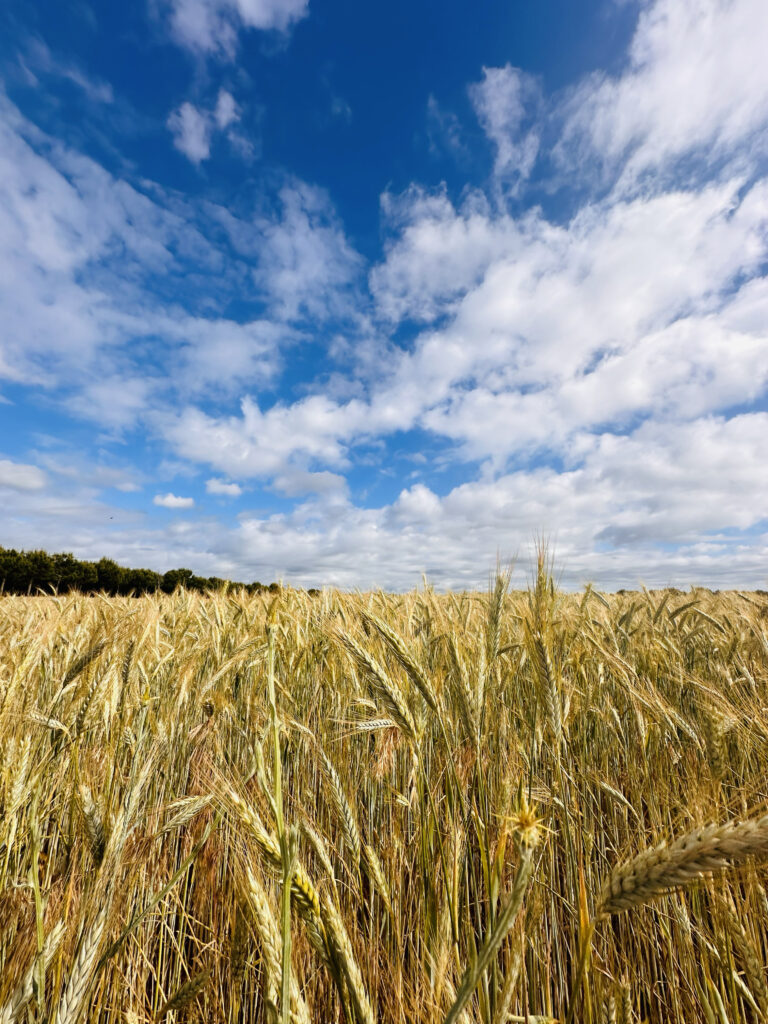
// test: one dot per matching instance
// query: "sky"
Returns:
(343, 293)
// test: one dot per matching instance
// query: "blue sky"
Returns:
(345, 293)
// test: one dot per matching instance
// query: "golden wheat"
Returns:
(237, 807)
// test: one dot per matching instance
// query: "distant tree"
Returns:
(13, 571)
(175, 578)
(40, 571)
(110, 576)
(140, 581)
(24, 572)
(69, 573)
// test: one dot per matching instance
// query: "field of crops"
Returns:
(392, 808)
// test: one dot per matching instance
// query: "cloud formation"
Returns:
(592, 367)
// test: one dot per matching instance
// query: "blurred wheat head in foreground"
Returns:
(512, 806)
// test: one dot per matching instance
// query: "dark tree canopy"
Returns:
(28, 572)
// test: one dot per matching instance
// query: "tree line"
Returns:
(28, 572)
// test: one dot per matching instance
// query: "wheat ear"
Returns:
(73, 1000)
(406, 658)
(23, 992)
(343, 808)
(385, 688)
(345, 957)
(664, 868)
(185, 994)
(269, 934)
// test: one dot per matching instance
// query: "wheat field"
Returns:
(504, 806)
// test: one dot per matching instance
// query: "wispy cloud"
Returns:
(444, 131)
(37, 59)
(212, 26)
(306, 265)
(96, 274)
(696, 85)
(507, 102)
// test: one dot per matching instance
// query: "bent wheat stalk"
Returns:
(664, 868)
(24, 991)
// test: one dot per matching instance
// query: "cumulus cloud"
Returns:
(606, 519)
(261, 444)
(212, 26)
(115, 295)
(699, 491)
(193, 127)
(306, 265)
(598, 377)
(172, 501)
(223, 488)
(591, 366)
(191, 130)
(634, 308)
(226, 111)
(20, 476)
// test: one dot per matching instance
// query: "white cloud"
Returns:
(172, 501)
(545, 342)
(592, 366)
(86, 264)
(295, 482)
(73, 467)
(306, 265)
(695, 489)
(506, 102)
(221, 354)
(605, 519)
(262, 444)
(436, 256)
(697, 81)
(115, 402)
(227, 111)
(20, 476)
(223, 488)
(210, 26)
(191, 129)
